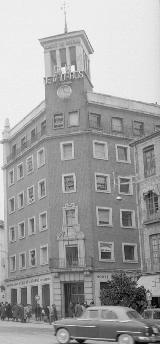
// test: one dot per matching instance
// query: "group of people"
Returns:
(76, 310)
(18, 312)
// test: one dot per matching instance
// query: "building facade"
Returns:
(70, 202)
(147, 165)
(3, 255)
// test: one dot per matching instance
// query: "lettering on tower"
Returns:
(63, 74)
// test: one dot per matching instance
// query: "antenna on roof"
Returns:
(64, 8)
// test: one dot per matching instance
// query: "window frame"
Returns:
(40, 182)
(130, 185)
(78, 116)
(105, 149)
(63, 182)
(9, 179)
(29, 226)
(40, 222)
(33, 138)
(128, 161)
(67, 208)
(20, 254)
(42, 149)
(23, 144)
(10, 257)
(133, 218)
(62, 144)
(98, 117)
(112, 259)
(19, 236)
(41, 247)
(18, 201)
(135, 252)
(145, 150)
(12, 227)
(121, 119)
(134, 129)
(42, 127)
(110, 224)
(29, 260)
(28, 188)
(9, 207)
(31, 171)
(63, 120)
(108, 182)
(18, 174)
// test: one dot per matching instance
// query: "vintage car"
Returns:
(152, 313)
(107, 323)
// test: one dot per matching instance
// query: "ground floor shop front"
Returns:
(58, 288)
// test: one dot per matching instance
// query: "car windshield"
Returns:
(134, 315)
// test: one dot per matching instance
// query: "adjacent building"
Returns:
(147, 164)
(70, 203)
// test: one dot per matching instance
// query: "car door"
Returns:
(108, 324)
(87, 325)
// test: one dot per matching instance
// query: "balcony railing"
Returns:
(71, 264)
(26, 145)
(149, 217)
(151, 266)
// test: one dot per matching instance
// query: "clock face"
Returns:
(64, 91)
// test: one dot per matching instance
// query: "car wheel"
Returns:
(80, 341)
(125, 339)
(63, 336)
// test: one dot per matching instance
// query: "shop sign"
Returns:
(63, 74)
(103, 277)
(29, 281)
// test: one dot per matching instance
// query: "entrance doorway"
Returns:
(24, 296)
(45, 295)
(73, 292)
(13, 296)
(34, 292)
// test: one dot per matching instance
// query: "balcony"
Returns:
(151, 217)
(27, 144)
(72, 264)
(151, 266)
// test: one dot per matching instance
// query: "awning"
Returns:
(152, 283)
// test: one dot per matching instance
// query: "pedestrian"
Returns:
(15, 312)
(92, 303)
(9, 314)
(78, 309)
(47, 312)
(3, 311)
(53, 314)
(71, 310)
(86, 304)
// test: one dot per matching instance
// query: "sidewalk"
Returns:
(31, 323)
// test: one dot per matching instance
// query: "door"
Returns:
(45, 295)
(71, 256)
(88, 325)
(73, 292)
(13, 296)
(24, 296)
(34, 292)
(108, 324)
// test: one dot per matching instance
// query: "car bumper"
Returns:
(144, 339)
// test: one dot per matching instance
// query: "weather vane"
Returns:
(64, 8)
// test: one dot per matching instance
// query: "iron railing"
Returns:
(71, 263)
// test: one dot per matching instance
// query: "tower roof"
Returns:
(47, 42)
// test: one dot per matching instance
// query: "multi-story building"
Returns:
(70, 209)
(147, 164)
(3, 256)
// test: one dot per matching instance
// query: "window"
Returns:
(29, 164)
(106, 251)
(117, 124)
(12, 234)
(21, 230)
(12, 263)
(23, 142)
(73, 119)
(100, 150)
(125, 185)
(41, 188)
(129, 253)
(149, 161)
(20, 171)
(11, 177)
(94, 121)
(102, 182)
(43, 221)
(32, 258)
(40, 157)
(69, 182)
(138, 128)
(70, 215)
(58, 120)
(104, 216)
(127, 218)
(14, 150)
(33, 135)
(67, 150)
(11, 202)
(43, 128)
(20, 199)
(123, 153)
(30, 194)
(151, 200)
(157, 127)
(31, 225)
(155, 249)
(22, 260)
(44, 255)
(71, 255)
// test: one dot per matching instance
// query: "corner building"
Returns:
(70, 206)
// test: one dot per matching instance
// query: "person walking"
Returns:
(78, 310)
(71, 310)
(53, 314)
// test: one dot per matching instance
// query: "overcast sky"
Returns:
(125, 35)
